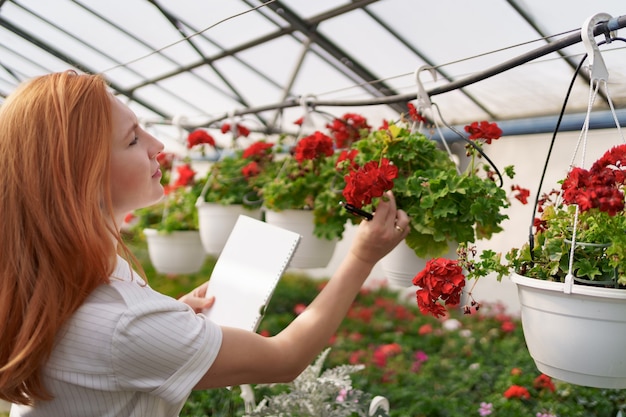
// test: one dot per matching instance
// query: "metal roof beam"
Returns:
(373, 84)
(60, 55)
(427, 60)
(177, 24)
(568, 59)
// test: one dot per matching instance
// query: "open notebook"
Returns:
(254, 258)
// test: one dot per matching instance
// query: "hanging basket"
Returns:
(577, 337)
(401, 265)
(216, 221)
(312, 252)
(177, 252)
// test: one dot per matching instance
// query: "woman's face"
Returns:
(135, 174)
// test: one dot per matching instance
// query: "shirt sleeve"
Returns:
(164, 348)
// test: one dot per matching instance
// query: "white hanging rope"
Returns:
(594, 87)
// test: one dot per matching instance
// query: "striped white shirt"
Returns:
(128, 351)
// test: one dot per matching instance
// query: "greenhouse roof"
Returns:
(198, 63)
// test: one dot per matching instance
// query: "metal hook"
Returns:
(180, 121)
(307, 104)
(423, 99)
(597, 66)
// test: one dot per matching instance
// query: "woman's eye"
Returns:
(134, 141)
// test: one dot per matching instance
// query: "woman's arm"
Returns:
(246, 357)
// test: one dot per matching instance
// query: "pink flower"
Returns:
(485, 409)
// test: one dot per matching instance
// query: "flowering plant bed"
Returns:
(454, 366)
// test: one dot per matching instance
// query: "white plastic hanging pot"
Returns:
(177, 252)
(577, 337)
(312, 251)
(401, 265)
(216, 221)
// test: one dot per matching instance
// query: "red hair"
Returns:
(59, 233)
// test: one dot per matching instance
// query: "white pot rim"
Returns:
(614, 293)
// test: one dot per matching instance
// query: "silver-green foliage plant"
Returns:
(317, 393)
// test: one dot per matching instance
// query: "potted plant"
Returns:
(231, 188)
(571, 277)
(171, 225)
(446, 206)
(317, 392)
(302, 193)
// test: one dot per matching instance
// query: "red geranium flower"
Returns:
(441, 279)
(346, 155)
(599, 187)
(348, 129)
(313, 146)
(185, 176)
(241, 130)
(252, 169)
(258, 150)
(199, 137)
(369, 181)
(544, 381)
(414, 114)
(517, 391)
(484, 130)
(166, 159)
(522, 193)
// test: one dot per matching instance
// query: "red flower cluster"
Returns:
(199, 137)
(241, 130)
(414, 114)
(522, 193)
(313, 146)
(369, 181)
(346, 155)
(347, 129)
(543, 381)
(257, 150)
(385, 351)
(441, 279)
(252, 169)
(166, 160)
(484, 130)
(599, 187)
(517, 391)
(185, 176)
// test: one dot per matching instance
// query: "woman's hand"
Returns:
(377, 237)
(197, 299)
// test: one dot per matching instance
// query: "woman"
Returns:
(83, 335)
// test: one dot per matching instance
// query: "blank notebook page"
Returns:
(247, 271)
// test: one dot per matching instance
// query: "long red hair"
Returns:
(58, 235)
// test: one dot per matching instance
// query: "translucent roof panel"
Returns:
(204, 62)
